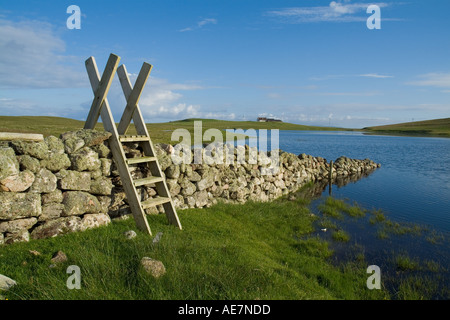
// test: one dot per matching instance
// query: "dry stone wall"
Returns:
(71, 183)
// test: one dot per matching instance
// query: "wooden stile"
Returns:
(100, 107)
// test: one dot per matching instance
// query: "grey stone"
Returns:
(29, 163)
(19, 205)
(157, 238)
(17, 225)
(6, 283)
(17, 183)
(74, 180)
(79, 202)
(51, 211)
(18, 236)
(59, 257)
(54, 145)
(102, 150)
(201, 198)
(130, 234)
(56, 227)
(56, 162)
(105, 166)
(91, 221)
(52, 197)
(37, 150)
(188, 188)
(173, 172)
(2, 239)
(153, 267)
(44, 182)
(9, 165)
(101, 186)
(85, 159)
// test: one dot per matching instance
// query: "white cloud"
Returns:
(200, 24)
(32, 56)
(340, 11)
(375, 75)
(441, 80)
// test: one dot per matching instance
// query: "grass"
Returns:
(437, 127)
(334, 208)
(341, 236)
(250, 251)
(160, 132)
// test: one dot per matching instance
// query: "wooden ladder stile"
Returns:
(100, 107)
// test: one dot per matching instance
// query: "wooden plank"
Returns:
(152, 202)
(10, 136)
(135, 94)
(119, 155)
(148, 180)
(155, 169)
(138, 138)
(140, 160)
(102, 88)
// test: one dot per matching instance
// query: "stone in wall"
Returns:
(17, 183)
(74, 180)
(19, 205)
(78, 202)
(44, 182)
(85, 159)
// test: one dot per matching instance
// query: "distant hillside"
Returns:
(437, 127)
(160, 132)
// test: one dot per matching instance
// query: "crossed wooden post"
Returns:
(100, 107)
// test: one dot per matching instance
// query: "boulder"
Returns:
(44, 182)
(19, 205)
(56, 227)
(74, 180)
(85, 159)
(130, 234)
(17, 183)
(9, 166)
(153, 267)
(79, 202)
(105, 166)
(2, 239)
(187, 187)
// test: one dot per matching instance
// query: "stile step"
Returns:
(140, 160)
(151, 202)
(127, 138)
(148, 180)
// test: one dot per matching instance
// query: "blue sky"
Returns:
(308, 62)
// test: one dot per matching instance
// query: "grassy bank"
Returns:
(437, 127)
(160, 132)
(250, 251)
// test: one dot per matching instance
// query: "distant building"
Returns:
(264, 119)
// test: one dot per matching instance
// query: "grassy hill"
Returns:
(437, 127)
(160, 132)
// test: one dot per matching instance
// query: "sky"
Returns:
(308, 62)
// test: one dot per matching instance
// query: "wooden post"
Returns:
(330, 178)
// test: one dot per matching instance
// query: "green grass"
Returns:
(334, 208)
(250, 251)
(160, 132)
(341, 236)
(437, 127)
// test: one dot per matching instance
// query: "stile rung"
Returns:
(126, 138)
(148, 180)
(152, 202)
(140, 160)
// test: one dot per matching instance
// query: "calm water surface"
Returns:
(413, 183)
